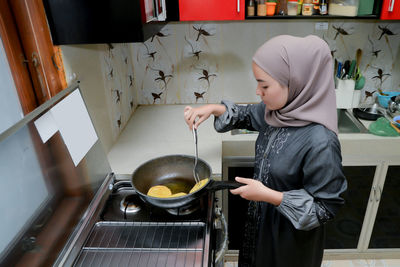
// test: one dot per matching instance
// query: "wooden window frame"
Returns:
(36, 64)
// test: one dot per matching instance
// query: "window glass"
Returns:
(10, 107)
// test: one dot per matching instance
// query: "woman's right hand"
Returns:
(195, 116)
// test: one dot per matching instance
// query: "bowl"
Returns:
(383, 100)
(396, 121)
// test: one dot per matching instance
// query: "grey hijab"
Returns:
(304, 65)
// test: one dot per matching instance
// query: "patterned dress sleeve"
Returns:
(250, 117)
(324, 183)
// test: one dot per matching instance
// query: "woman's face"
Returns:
(271, 92)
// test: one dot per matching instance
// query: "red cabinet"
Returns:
(190, 10)
(390, 10)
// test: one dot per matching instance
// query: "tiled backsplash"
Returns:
(204, 63)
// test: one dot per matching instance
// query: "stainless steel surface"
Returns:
(144, 244)
(67, 189)
(38, 111)
(219, 255)
(347, 123)
(394, 104)
(195, 173)
(73, 246)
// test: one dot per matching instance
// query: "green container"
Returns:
(365, 7)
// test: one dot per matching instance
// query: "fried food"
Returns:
(198, 185)
(159, 191)
(178, 194)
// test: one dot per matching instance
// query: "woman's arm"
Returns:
(256, 191)
(228, 116)
(195, 116)
(250, 117)
(324, 183)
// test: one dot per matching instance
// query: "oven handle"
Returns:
(224, 228)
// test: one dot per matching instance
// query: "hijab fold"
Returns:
(304, 65)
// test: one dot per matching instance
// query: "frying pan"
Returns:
(175, 172)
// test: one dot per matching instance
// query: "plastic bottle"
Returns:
(323, 7)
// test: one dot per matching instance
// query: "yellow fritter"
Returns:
(159, 191)
(198, 185)
(178, 194)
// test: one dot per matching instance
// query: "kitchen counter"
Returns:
(157, 130)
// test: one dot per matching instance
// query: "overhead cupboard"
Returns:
(390, 10)
(107, 21)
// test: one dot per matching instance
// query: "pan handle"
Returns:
(219, 185)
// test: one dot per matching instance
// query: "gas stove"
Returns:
(124, 204)
(130, 232)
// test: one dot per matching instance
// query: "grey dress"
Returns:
(305, 164)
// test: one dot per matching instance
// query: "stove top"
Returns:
(124, 204)
(131, 232)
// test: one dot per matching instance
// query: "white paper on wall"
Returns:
(46, 126)
(75, 126)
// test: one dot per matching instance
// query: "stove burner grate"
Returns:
(130, 204)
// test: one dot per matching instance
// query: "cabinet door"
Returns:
(190, 10)
(390, 9)
(344, 231)
(386, 231)
(237, 208)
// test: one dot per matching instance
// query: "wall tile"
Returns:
(207, 62)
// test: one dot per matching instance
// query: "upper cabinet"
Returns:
(390, 10)
(191, 10)
(104, 21)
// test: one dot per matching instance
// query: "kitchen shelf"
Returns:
(310, 17)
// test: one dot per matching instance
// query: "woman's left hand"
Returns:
(256, 191)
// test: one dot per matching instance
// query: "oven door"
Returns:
(154, 10)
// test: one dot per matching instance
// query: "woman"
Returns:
(298, 177)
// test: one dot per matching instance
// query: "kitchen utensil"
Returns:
(346, 68)
(384, 98)
(358, 58)
(339, 69)
(352, 69)
(382, 127)
(396, 128)
(394, 104)
(396, 121)
(360, 82)
(176, 172)
(372, 113)
(195, 174)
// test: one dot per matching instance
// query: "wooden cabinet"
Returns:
(190, 10)
(390, 10)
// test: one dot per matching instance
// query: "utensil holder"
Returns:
(356, 98)
(344, 93)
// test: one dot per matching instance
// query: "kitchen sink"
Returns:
(347, 123)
